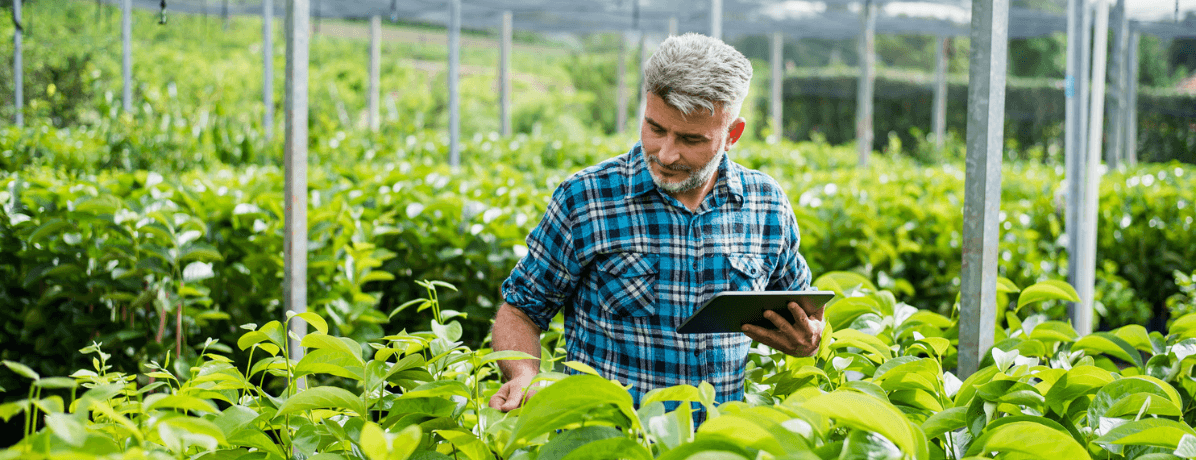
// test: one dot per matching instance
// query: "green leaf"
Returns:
(405, 443)
(345, 345)
(864, 412)
(180, 402)
(620, 447)
(1031, 439)
(60, 383)
(1136, 336)
(376, 275)
(710, 447)
(573, 400)
(68, 428)
(841, 282)
(1187, 446)
(1079, 381)
(1047, 290)
(313, 319)
(1159, 432)
(843, 310)
(581, 367)
(21, 369)
(196, 426)
(561, 445)
(1109, 344)
(373, 442)
(322, 398)
(870, 344)
(199, 253)
(1011, 392)
(950, 419)
(466, 443)
(1006, 286)
(1054, 331)
(756, 428)
(51, 227)
(683, 393)
(329, 361)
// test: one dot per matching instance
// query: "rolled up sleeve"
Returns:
(546, 277)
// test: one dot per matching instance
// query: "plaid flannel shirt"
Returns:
(628, 263)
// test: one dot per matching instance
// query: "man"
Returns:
(633, 246)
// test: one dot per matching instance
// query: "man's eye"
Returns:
(657, 130)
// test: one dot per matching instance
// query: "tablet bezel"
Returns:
(727, 311)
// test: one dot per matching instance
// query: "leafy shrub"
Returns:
(879, 387)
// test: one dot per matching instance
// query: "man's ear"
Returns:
(737, 127)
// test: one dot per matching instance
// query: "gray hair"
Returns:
(692, 71)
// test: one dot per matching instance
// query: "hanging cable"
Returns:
(162, 14)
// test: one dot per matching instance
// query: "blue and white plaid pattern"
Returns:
(629, 263)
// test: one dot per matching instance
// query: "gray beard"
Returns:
(696, 178)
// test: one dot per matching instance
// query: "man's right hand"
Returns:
(513, 393)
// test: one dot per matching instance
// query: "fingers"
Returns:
(514, 399)
(509, 397)
(499, 397)
(800, 338)
(799, 314)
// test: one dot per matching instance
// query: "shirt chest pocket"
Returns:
(627, 283)
(747, 272)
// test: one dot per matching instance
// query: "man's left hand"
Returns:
(800, 338)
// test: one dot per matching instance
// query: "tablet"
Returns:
(728, 311)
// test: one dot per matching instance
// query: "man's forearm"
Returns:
(513, 330)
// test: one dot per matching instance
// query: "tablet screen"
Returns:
(728, 311)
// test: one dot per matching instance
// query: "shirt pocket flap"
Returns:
(750, 265)
(630, 264)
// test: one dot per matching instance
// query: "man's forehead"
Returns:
(686, 128)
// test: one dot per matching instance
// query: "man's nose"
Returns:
(669, 153)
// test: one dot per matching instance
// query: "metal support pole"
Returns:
(863, 112)
(672, 25)
(982, 201)
(778, 80)
(224, 14)
(375, 69)
(1117, 77)
(268, 68)
(716, 19)
(1131, 125)
(621, 86)
(18, 78)
(1073, 135)
(1085, 83)
(295, 163)
(454, 72)
(1086, 274)
(643, 105)
(126, 40)
(939, 111)
(504, 73)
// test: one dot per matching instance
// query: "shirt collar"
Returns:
(729, 184)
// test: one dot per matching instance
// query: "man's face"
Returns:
(683, 151)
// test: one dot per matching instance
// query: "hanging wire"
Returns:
(162, 14)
